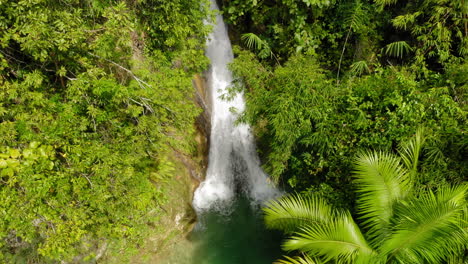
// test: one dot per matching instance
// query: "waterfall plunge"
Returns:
(233, 162)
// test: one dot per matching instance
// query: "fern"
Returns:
(398, 49)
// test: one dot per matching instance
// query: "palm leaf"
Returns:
(290, 213)
(398, 49)
(356, 16)
(461, 258)
(434, 152)
(359, 67)
(410, 151)
(454, 195)
(381, 181)
(339, 239)
(432, 228)
(297, 260)
(252, 41)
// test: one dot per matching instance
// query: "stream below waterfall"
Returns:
(237, 238)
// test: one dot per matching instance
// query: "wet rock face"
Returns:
(203, 124)
(203, 100)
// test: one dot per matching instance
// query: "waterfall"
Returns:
(233, 166)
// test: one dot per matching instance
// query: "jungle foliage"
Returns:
(356, 75)
(94, 95)
(427, 34)
(397, 223)
(326, 80)
(309, 129)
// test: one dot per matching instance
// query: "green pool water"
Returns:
(236, 238)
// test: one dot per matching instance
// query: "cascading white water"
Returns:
(233, 162)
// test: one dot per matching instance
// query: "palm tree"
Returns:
(396, 223)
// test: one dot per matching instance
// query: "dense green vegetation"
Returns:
(395, 74)
(399, 224)
(309, 129)
(326, 80)
(94, 96)
(428, 33)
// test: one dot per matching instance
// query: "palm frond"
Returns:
(432, 228)
(252, 41)
(297, 260)
(434, 152)
(381, 182)
(339, 239)
(410, 151)
(370, 259)
(461, 258)
(359, 67)
(356, 16)
(452, 194)
(290, 213)
(398, 49)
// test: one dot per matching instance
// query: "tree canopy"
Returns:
(326, 80)
(94, 95)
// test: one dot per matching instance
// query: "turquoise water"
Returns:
(237, 238)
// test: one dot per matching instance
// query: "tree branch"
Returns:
(140, 81)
